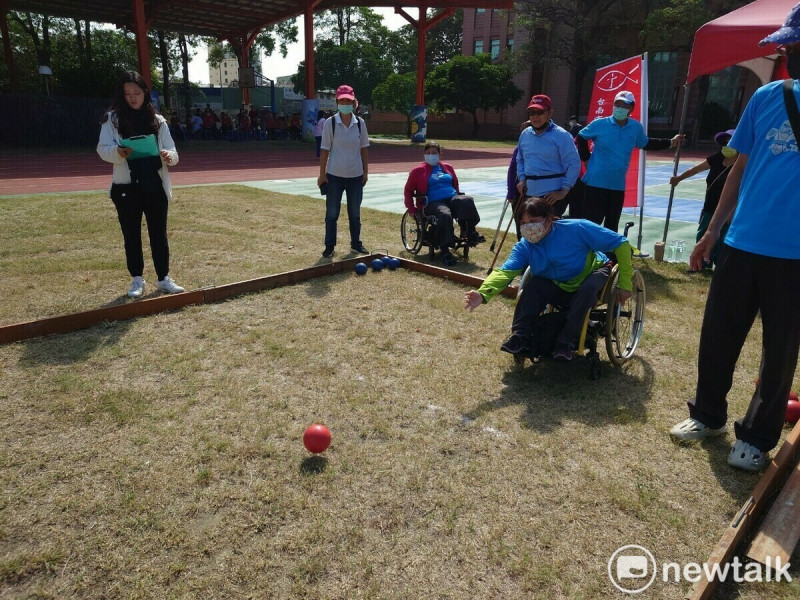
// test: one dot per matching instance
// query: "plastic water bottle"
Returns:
(679, 246)
(672, 250)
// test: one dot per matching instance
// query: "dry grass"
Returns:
(161, 457)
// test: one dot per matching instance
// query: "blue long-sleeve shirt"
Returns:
(551, 152)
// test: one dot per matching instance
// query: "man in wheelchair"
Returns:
(436, 184)
(568, 268)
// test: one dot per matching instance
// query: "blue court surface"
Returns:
(488, 187)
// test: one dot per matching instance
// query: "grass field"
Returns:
(162, 457)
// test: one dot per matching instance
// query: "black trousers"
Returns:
(603, 206)
(131, 203)
(744, 284)
(458, 208)
(539, 292)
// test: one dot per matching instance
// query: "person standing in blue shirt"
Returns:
(547, 160)
(758, 268)
(614, 139)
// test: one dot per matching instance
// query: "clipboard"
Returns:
(142, 145)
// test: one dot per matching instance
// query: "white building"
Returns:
(227, 71)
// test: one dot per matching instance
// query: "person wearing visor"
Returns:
(614, 139)
(569, 267)
(437, 182)
(343, 168)
(547, 160)
(718, 166)
(758, 270)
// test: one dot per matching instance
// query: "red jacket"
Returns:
(417, 183)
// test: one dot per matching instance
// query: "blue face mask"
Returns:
(432, 159)
(345, 109)
(620, 114)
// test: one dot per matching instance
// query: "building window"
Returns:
(495, 48)
(479, 11)
(661, 88)
(478, 47)
(510, 43)
(722, 88)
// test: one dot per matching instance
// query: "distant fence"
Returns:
(35, 120)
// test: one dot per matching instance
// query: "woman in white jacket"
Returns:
(139, 186)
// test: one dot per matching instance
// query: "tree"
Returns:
(442, 42)
(397, 94)
(470, 83)
(277, 36)
(359, 65)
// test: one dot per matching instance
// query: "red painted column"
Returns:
(422, 30)
(12, 71)
(245, 62)
(142, 49)
(308, 30)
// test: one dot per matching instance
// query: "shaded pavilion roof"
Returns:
(226, 19)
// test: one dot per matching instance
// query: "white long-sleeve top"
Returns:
(107, 149)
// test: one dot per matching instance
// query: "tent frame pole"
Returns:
(684, 109)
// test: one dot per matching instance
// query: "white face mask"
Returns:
(534, 232)
(432, 159)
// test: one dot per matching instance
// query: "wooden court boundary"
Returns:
(141, 308)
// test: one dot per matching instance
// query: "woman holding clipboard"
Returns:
(137, 142)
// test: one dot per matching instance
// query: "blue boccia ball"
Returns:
(386, 260)
(394, 263)
(377, 264)
(361, 268)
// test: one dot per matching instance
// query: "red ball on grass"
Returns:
(317, 438)
(792, 412)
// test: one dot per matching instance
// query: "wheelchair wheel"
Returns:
(412, 230)
(624, 323)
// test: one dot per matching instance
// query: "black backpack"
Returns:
(333, 126)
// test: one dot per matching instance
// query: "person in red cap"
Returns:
(343, 168)
(614, 139)
(758, 270)
(547, 161)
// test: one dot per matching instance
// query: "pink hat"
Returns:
(541, 102)
(346, 92)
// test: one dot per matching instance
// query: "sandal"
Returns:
(746, 456)
(691, 429)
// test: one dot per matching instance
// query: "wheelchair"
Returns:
(620, 325)
(417, 231)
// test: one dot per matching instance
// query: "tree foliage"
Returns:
(471, 83)
(442, 42)
(397, 94)
(272, 38)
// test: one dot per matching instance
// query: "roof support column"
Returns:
(142, 48)
(308, 31)
(12, 71)
(244, 60)
(422, 25)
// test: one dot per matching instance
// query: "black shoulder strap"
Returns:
(791, 107)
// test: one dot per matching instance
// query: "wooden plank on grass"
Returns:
(73, 322)
(463, 278)
(778, 534)
(747, 516)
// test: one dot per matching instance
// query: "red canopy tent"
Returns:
(729, 40)
(732, 39)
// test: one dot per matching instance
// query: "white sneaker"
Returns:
(746, 456)
(168, 286)
(137, 288)
(692, 429)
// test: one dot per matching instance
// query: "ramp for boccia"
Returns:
(142, 308)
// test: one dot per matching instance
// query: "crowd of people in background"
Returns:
(249, 123)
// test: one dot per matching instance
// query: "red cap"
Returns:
(541, 102)
(346, 92)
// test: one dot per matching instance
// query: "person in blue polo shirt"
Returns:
(568, 266)
(614, 139)
(547, 160)
(758, 270)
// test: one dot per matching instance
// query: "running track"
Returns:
(249, 161)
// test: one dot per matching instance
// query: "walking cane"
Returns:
(499, 223)
(513, 219)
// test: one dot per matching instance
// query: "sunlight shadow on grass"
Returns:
(313, 465)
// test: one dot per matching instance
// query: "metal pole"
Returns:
(677, 157)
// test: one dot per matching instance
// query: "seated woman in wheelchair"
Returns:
(568, 268)
(437, 182)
